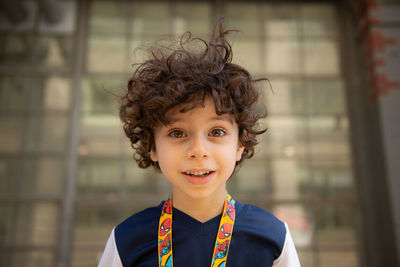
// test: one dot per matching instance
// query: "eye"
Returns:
(177, 134)
(217, 132)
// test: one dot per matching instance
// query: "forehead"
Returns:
(205, 109)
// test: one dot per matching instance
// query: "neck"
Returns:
(201, 209)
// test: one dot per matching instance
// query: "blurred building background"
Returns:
(329, 164)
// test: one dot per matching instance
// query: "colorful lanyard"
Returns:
(221, 243)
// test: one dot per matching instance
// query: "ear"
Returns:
(239, 151)
(153, 155)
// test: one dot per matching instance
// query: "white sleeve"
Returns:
(288, 257)
(110, 256)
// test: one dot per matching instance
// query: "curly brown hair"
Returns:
(181, 74)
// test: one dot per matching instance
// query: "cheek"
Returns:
(166, 155)
(227, 157)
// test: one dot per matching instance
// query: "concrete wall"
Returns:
(386, 88)
(381, 25)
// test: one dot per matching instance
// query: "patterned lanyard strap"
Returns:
(221, 243)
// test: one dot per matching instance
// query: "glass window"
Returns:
(246, 54)
(99, 177)
(251, 178)
(26, 50)
(286, 97)
(194, 17)
(318, 19)
(14, 93)
(343, 257)
(47, 133)
(9, 171)
(326, 97)
(35, 102)
(287, 136)
(321, 57)
(34, 258)
(37, 224)
(334, 226)
(107, 17)
(11, 132)
(42, 177)
(282, 56)
(57, 94)
(281, 20)
(243, 16)
(6, 225)
(329, 136)
(150, 18)
(107, 54)
(302, 170)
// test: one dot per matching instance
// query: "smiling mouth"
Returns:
(198, 174)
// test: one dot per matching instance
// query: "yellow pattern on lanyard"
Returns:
(222, 242)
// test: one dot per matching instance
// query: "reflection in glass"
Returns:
(329, 136)
(106, 54)
(11, 132)
(138, 51)
(144, 180)
(20, 93)
(247, 55)
(321, 57)
(287, 136)
(326, 97)
(41, 176)
(281, 20)
(282, 56)
(15, 92)
(251, 178)
(41, 51)
(330, 179)
(300, 221)
(37, 223)
(306, 257)
(9, 172)
(93, 227)
(57, 93)
(33, 258)
(343, 257)
(288, 175)
(335, 226)
(243, 16)
(318, 19)
(99, 177)
(100, 95)
(288, 97)
(194, 17)
(6, 224)
(107, 17)
(47, 133)
(302, 161)
(65, 24)
(101, 131)
(150, 18)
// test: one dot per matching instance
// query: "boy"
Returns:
(190, 115)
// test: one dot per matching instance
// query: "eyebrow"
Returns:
(215, 118)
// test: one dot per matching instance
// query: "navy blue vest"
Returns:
(257, 240)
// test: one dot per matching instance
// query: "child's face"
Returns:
(197, 151)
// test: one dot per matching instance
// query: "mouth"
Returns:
(198, 174)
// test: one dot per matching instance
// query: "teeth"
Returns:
(198, 173)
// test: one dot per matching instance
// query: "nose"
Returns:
(197, 148)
